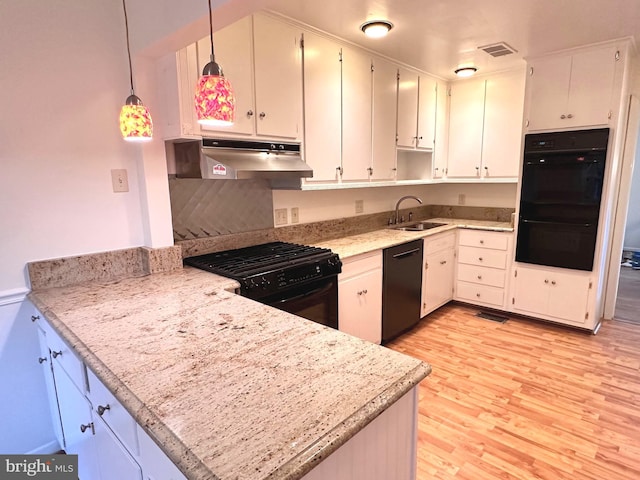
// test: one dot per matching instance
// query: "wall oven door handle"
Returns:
(541, 222)
(315, 291)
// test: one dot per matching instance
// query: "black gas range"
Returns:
(296, 278)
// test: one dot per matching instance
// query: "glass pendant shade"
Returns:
(214, 99)
(135, 121)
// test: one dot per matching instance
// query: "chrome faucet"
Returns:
(396, 219)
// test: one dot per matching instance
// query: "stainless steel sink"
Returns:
(418, 226)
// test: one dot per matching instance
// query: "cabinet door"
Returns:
(591, 87)
(385, 102)
(426, 112)
(75, 413)
(465, 128)
(568, 296)
(437, 280)
(356, 114)
(360, 306)
(45, 362)
(531, 290)
(549, 91)
(234, 55)
(322, 106)
(407, 108)
(441, 145)
(502, 136)
(113, 458)
(278, 78)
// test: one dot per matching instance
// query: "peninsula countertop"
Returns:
(228, 387)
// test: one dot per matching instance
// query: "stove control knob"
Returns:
(251, 283)
(264, 283)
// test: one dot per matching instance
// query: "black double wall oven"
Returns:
(561, 189)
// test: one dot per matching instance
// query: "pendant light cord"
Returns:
(126, 28)
(213, 56)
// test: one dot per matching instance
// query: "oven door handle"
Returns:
(542, 222)
(315, 291)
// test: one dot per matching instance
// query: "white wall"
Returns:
(632, 226)
(318, 205)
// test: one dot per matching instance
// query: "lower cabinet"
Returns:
(360, 296)
(554, 294)
(438, 273)
(90, 422)
(484, 259)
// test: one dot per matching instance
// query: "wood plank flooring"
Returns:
(526, 400)
(628, 302)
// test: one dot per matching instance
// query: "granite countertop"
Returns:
(229, 388)
(388, 237)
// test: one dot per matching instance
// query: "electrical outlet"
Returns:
(281, 216)
(462, 198)
(295, 215)
(359, 206)
(119, 180)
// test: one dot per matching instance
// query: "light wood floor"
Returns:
(628, 302)
(526, 400)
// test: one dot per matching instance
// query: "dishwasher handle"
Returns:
(407, 253)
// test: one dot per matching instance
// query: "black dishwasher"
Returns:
(401, 288)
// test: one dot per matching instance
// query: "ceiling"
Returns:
(439, 35)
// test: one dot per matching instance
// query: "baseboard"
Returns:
(16, 295)
(46, 449)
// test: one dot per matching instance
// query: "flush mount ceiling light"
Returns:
(465, 71)
(214, 100)
(376, 28)
(135, 119)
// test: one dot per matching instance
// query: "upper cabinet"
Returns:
(416, 110)
(485, 126)
(441, 147)
(385, 95)
(572, 90)
(262, 55)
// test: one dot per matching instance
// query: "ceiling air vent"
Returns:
(498, 49)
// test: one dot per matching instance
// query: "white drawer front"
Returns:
(154, 461)
(64, 358)
(113, 413)
(439, 242)
(482, 275)
(482, 239)
(483, 257)
(361, 263)
(474, 293)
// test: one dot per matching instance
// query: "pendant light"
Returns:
(214, 100)
(135, 119)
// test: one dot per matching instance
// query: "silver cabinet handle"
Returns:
(481, 242)
(478, 295)
(553, 282)
(56, 354)
(102, 409)
(35, 317)
(362, 292)
(42, 359)
(479, 277)
(477, 168)
(480, 258)
(370, 170)
(563, 116)
(262, 115)
(443, 262)
(546, 281)
(250, 113)
(486, 168)
(84, 428)
(570, 115)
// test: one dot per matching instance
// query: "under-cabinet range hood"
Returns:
(220, 159)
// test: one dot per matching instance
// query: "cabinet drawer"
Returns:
(114, 414)
(154, 461)
(63, 357)
(439, 242)
(482, 275)
(361, 263)
(482, 239)
(474, 293)
(483, 257)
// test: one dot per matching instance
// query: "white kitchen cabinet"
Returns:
(484, 258)
(385, 97)
(485, 126)
(441, 145)
(438, 273)
(262, 55)
(157, 465)
(360, 296)
(322, 107)
(416, 110)
(572, 89)
(555, 294)
(114, 460)
(45, 361)
(356, 100)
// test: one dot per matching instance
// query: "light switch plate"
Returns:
(281, 216)
(295, 215)
(359, 206)
(119, 180)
